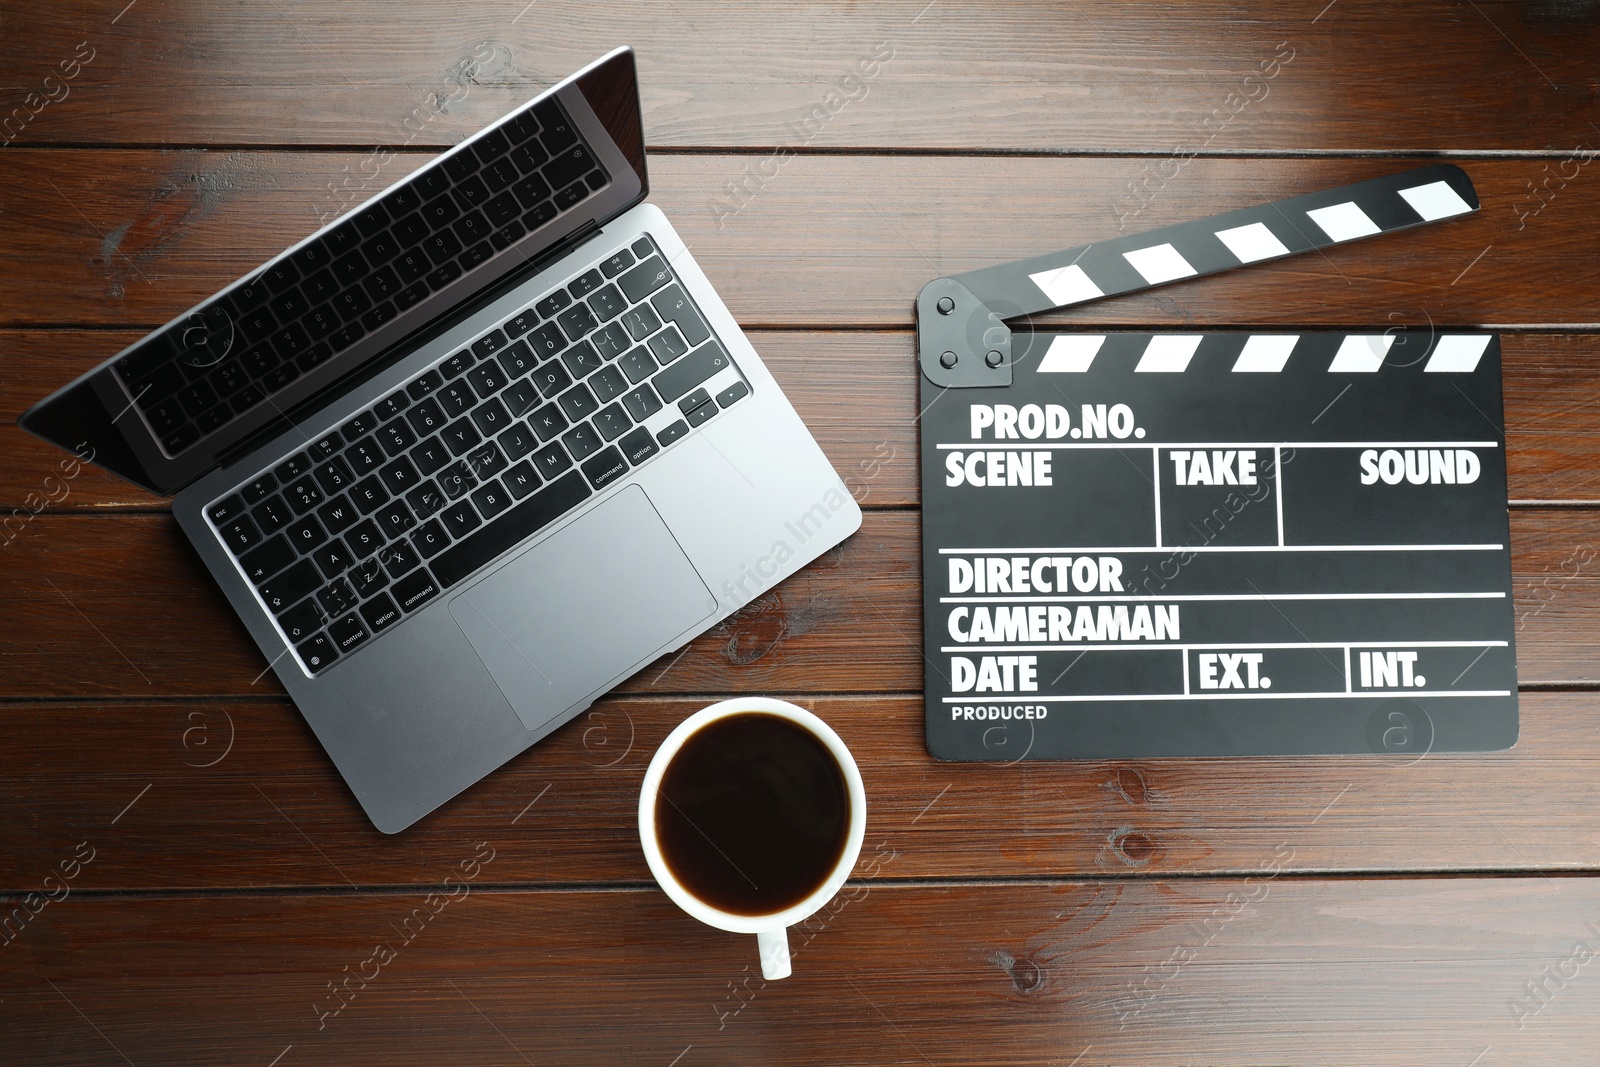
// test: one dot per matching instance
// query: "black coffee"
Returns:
(752, 814)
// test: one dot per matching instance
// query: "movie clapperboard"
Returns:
(1225, 543)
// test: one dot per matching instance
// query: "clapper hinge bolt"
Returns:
(947, 360)
(961, 342)
(945, 306)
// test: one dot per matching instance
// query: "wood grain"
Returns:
(1279, 970)
(856, 391)
(136, 237)
(118, 606)
(1086, 77)
(240, 796)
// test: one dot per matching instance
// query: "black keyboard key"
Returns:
(457, 364)
(167, 416)
(641, 402)
(460, 436)
(350, 303)
(447, 273)
(611, 341)
(426, 499)
(607, 303)
(334, 475)
(547, 422)
(703, 413)
(470, 192)
(302, 620)
(306, 534)
(380, 613)
(578, 403)
(693, 400)
(526, 518)
(272, 515)
(520, 324)
(371, 219)
(337, 597)
(691, 370)
(364, 539)
(292, 467)
(399, 476)
(530, 191)
(242, 401)
(489, 344)
(733, 394)
(267, 559)
(582, 360)
(517, 359)
(229, 378)
(571, 196)
(424, 385)
(551, 378)
(487, 379)
(359, 426)
(645, 279)
(288, 588)
(411, 295)
(197, 397)
(338, 515)
(461, 518)
(608, 384)
(617, 264)
(426, 417)
(378, 315)
(317, 653)
(214, 419)
(461, 166)
(605, 468)
(368, 576)
(491, 417)
(472, 228)
(582, 441)
(612, 422)
(383, 282)
(413, 592)
(577, 321)
(520, 397)
(674, 306)
(311, 357)
(392, 405)
(409, 230)
(225, 511)
(502, 210)
(303, 495)
(638, 445)
(547, 340)
(325, 446)
(518, 441)
(585, 283)
(475, 255)
(595, 179)
(668, 345)
(637, 365)
(501, 174)
(348, 633)
(180, 439)
(347, 335)
(396, 436)
(411, 265)
(441, 211)
(430, 539)
(395, 518)
(491, 499)
(332, 559)
(643, 246)
(551, 460)
(485, 461)
(455, 398)
(430, 455)
(521, 480)
(552, 303)
(402, 199)
(456, 479)
(369, 494)
(365, 457)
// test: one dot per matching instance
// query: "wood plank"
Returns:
(1092, 76)
(241, 796)
(136, 237)
(117, 605)
(1280, 970)
(857, 393)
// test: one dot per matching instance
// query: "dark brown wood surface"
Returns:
(1371, 909)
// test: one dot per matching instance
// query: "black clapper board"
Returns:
(1201, 544)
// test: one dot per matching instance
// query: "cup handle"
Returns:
(774, 946)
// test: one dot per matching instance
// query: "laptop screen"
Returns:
(240, 365)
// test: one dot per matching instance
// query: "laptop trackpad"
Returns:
(592, 603)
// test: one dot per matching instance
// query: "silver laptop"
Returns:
(472, 455)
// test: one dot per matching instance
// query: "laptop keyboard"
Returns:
(232, 354)
(376, 518)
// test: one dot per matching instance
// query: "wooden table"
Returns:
(226, 895)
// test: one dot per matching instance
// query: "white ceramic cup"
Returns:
(771, 930)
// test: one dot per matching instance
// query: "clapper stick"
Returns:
(962, 338)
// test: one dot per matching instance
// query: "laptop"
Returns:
(470, 456)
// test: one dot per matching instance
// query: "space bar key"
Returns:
(539, 510)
